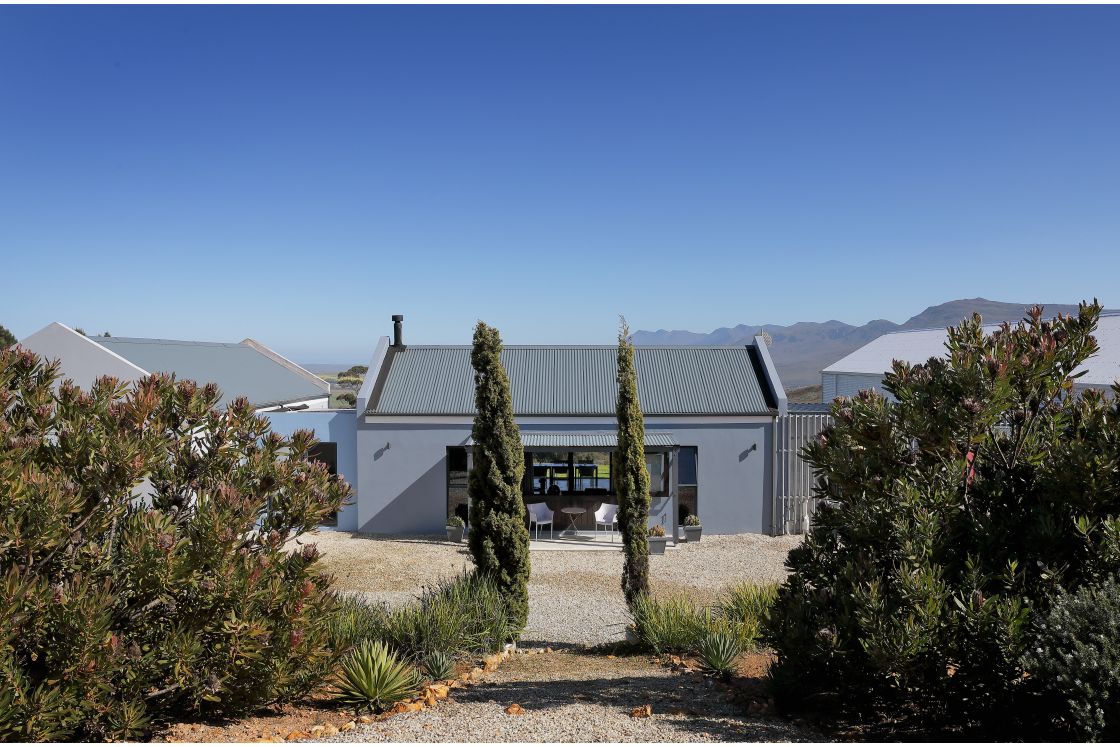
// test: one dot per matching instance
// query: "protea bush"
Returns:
(951, 515)
(149, 556)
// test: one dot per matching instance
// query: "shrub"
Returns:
(465, 615)
(747, 605)
(949, 517)
(676, 625)
(348, 399)
(1075, 660)
(656, 531)
(718, 649)
(373, 678)
(499, 537)
(440, 665)
(353, 621)
(455, 521)
(671, 625)
(692, 520)
(121, 603)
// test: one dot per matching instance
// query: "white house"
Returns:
(240, 369)
(866, 367)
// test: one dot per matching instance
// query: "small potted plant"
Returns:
(657, 540)
(692, 528)
(455, 529)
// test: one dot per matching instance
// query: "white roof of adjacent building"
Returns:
(919, 345)
(240, 369)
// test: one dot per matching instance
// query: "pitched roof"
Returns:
(918, 346)
(239, 369)
(576, 380)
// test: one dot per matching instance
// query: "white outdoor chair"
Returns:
(540, 515)
(607, 516)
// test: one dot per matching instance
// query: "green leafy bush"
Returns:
(748, 604)
(455, 521)
(353, 621)
(719, 648)
(463, 615)
(692, 520)
(439, 665)
(373, 678)
(467, 614)
(670, 625)
(1075, 660)
(948, 518)
(148, 563)
(675, 625)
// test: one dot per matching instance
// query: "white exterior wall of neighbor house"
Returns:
(402, 480)
(80, 358)
(866, 367)
(835, 385)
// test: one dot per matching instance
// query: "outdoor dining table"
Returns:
(572, 512)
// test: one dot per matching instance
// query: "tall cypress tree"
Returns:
(632, 477)
(499, 539)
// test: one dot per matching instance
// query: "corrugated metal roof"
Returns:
(570, 440)
(918, 346)
(576, 380)
(238, 370)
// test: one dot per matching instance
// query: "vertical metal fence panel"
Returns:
(793, 499)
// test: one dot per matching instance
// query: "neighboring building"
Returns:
(709, 417)
(245, 369)
(288, 395)
(866, 367)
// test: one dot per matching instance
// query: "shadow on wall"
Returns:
(418, 509)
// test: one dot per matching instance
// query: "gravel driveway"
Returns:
(574, 595)
(571, 697)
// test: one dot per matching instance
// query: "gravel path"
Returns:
(574, 595)
(569, 697)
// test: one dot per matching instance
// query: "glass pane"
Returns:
(687, 465)
(655, 463)
(457, 466)
(550, 472)
(592, 472)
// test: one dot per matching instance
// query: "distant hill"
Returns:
(801, 350)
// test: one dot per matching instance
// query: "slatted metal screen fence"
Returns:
(793, 496)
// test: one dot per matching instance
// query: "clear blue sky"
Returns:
(299, 174)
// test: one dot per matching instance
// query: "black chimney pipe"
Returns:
(398, 336)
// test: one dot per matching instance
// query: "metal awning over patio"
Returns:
(574, 440)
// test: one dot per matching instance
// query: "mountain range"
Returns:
(801, 350)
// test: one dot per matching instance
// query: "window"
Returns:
(658, 473)
(327, 453)
(687, 474)
(457, 477)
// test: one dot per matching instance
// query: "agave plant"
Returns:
(373, 678)
(439, 665)
(718, 651)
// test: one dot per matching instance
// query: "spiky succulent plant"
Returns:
(373, 678)
(718, 651)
